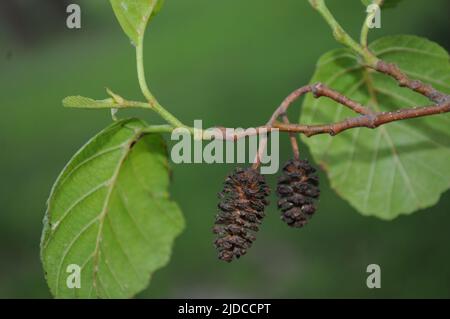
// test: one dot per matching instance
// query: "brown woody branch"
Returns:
(367, 117)
(370, 121)
(415, 85)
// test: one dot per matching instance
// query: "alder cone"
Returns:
(241, 210)
(298, 191)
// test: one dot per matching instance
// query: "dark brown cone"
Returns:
(241, 210)
(298, 190)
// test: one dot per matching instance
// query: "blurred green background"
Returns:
(228, 63)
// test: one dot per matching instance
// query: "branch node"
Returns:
(372, 118)
(316, 90)
(404, 81)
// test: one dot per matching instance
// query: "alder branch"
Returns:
(317, 89)
(369, 121)
(367, 117)
(415, 85)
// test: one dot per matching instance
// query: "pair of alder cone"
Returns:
(244, 198)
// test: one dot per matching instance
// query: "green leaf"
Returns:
(133, 16)
(86, 102)
(397, 168)
(109, 213)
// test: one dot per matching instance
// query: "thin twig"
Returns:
(340, 34)
(415, 85)
(292, 137)
(367, 118)
(153, 103)
(369, 121)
